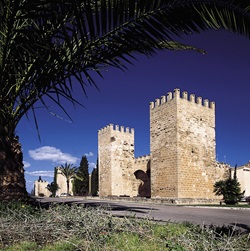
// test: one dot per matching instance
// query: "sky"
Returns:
(221, 75)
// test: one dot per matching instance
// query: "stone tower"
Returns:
(62, 184)
(116, 161)
(40, 188)
(182, 146)
(181, 164)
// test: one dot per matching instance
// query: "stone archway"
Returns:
(144, 189)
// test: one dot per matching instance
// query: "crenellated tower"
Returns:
(182, 146)
(116, 158)
(40, 188)
(181, 164)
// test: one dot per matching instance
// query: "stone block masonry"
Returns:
(116, 161)
(182, 161)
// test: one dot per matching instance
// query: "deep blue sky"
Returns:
(222, 75)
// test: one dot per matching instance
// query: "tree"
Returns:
(53, 186)
(69, 172)
(95, 181)
(81, 181)
(46, 45)
(229, 188)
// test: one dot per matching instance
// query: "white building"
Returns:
(243, 176)
(62, 184)
(40, 188)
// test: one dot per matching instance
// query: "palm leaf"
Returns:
(45, 44)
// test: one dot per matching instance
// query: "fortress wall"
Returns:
(182, 144)
(163, 147)
(142, 173)
(196, 146)
(104, 159)
(116, 159)
(182, 152)
(213, 173)
(142, 163)
(40, 187)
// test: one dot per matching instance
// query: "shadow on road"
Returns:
(242, 226)
(106, 205)
(140, 211)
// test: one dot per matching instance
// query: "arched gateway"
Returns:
(182, 160)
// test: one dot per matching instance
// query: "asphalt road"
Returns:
(198, 215)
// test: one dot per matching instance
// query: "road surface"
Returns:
(172, 213)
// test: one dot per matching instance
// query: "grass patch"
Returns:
(23, 246)
(66, 228)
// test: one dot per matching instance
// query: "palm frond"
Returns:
(45, 44)
(68, 170)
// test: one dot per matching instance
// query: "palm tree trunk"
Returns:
(12, 181)
(67, 186)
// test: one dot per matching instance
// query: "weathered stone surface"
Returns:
(40, 188)
(182, 161)
(116, 161)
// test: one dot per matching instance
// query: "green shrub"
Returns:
(229, 188)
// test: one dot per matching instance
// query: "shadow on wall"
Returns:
(144, 189)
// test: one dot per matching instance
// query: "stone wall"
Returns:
(182, 143)
(40, 188)
(182, 161)
(142, 174)
(163, 147)
(196, 146)
(116, 161)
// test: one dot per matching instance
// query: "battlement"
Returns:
(176, 94)
(142, 158)
(182, 161)
(117, 128)
(41, 181)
